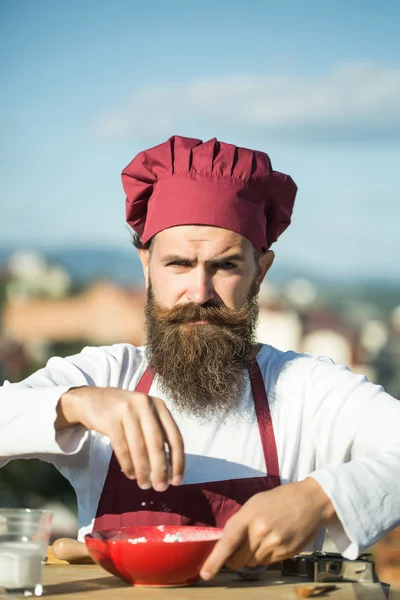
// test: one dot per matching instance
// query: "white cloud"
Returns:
(352, 102)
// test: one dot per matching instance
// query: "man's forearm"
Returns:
(27, 421)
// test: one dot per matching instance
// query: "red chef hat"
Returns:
(187, 182)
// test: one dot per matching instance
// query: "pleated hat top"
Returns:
(185, 181)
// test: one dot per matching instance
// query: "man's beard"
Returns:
(202, 367)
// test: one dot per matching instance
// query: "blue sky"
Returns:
(87, 84)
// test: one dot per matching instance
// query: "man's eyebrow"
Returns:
(176, 258)
(237, 257)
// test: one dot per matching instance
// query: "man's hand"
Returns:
(271, 526)
(138, 427)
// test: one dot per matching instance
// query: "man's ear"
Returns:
(144, 256)
(264, 264)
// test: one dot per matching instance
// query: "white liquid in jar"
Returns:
(20, 565)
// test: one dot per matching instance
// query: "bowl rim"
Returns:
(98, 534)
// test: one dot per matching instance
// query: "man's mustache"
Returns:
(191, 313)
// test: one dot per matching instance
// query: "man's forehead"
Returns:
(197, 237)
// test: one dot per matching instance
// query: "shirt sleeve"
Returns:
(356, 427)
(28, 408)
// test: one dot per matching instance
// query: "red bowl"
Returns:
(163, 555)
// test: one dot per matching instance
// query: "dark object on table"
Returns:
(322, 567)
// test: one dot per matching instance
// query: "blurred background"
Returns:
(88, 84)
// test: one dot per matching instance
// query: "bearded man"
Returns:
(203, 426)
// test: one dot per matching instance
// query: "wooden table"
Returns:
(85, 582)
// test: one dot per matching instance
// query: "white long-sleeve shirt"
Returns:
(328, 422)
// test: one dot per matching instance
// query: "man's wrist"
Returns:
(67, 413)
(321, 501)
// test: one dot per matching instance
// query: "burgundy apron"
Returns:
(123, 503)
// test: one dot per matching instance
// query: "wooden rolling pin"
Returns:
(69, 551)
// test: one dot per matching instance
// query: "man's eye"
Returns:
(178, 263)
(226, 266)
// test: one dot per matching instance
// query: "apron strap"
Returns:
(264, 420)
(144, 384)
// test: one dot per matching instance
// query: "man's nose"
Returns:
(201, 289)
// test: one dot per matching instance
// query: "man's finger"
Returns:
(175, 443)
(231, 539)
(137, 451)
(154, 437)
(121, 449)
(261, 557)
(242, 555)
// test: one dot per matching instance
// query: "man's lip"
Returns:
(198, 322)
